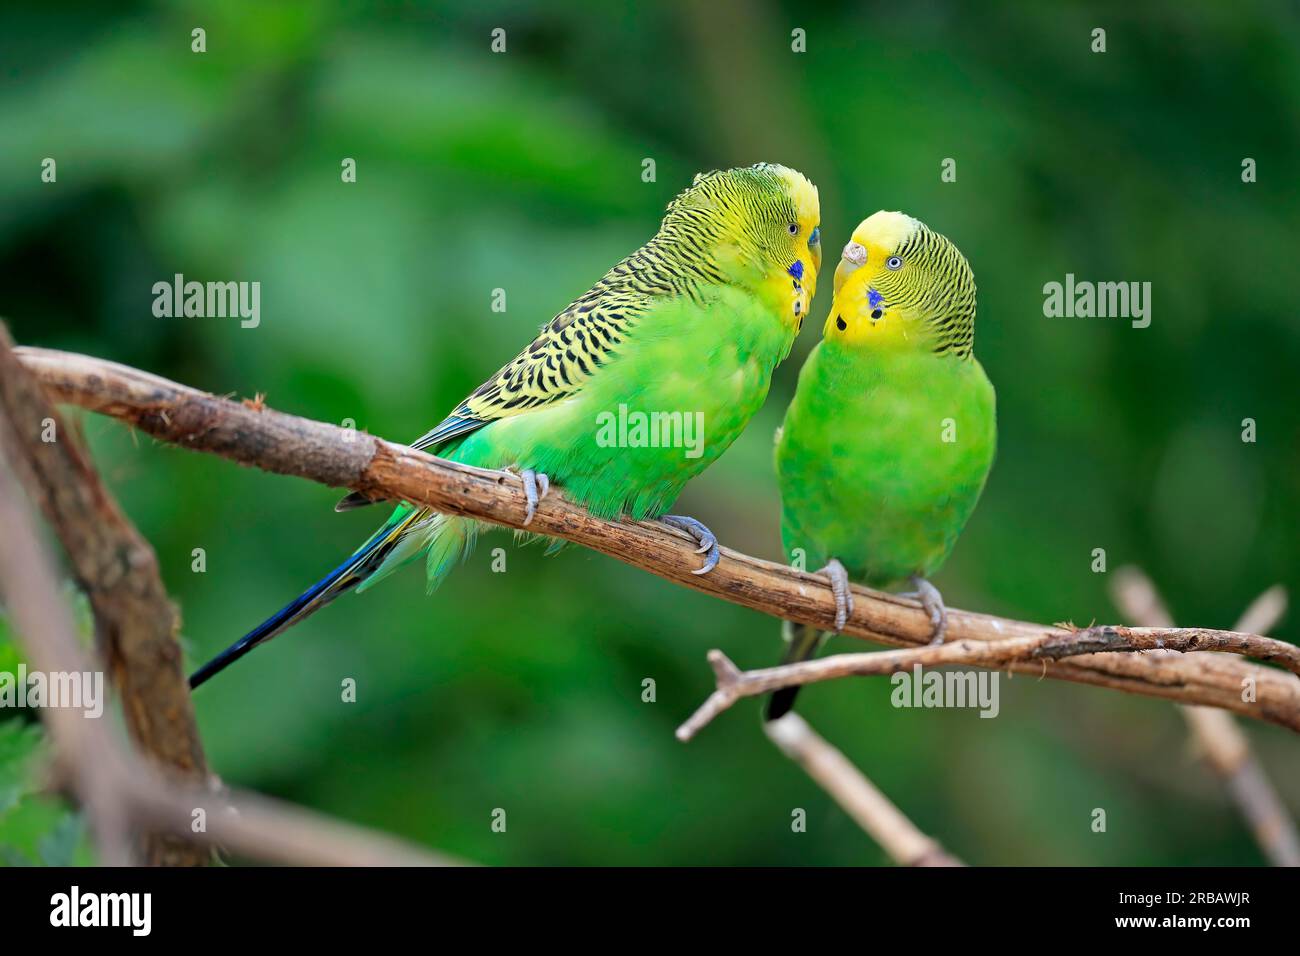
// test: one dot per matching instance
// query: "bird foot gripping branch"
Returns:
(707, 540)
(932, 601)
(536, 485)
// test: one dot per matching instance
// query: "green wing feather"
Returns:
(574, 345)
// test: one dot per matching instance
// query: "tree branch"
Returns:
(255, 435)
(858, 796)
(135, 622)
(734, 685)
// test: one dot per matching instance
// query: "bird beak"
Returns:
(852, 259)
(815, 249)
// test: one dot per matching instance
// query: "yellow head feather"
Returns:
(901, 285)
(760, 225)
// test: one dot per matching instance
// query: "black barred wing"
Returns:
(555, 365)
(567, 352)
(570, 349)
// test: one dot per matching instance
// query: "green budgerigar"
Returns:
(891, 434)
(635, 388)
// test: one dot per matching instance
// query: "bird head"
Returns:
(761, 222)
(899, 283)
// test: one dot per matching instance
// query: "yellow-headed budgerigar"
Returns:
(683, 333)
(891, 432)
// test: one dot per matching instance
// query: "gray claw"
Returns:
(932, 601)
(697, 530)
(840, 588)
(536, 485)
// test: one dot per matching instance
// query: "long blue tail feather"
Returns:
(359, 565)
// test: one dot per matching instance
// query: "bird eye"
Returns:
(894, 263)
(794, 228)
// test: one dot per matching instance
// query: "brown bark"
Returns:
(255, 435)
(135, 622)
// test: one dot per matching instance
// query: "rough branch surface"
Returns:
(273, 441)
(734, 685)
(116, 568)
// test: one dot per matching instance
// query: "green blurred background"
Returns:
(522, 690)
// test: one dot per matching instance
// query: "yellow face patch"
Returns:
(792, 292)
(857, 320)
(874, 241)
(859, 314)
(808, 212)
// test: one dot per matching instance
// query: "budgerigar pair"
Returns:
(695, 321)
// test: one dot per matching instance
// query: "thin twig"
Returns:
(857, 795)
(257, 827)
(285, 444)
(734, 685)
(1220, 741)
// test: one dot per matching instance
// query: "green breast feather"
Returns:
(635, 434)
(882, 459)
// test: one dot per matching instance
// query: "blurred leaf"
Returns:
(59, 846)
(20, 746)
